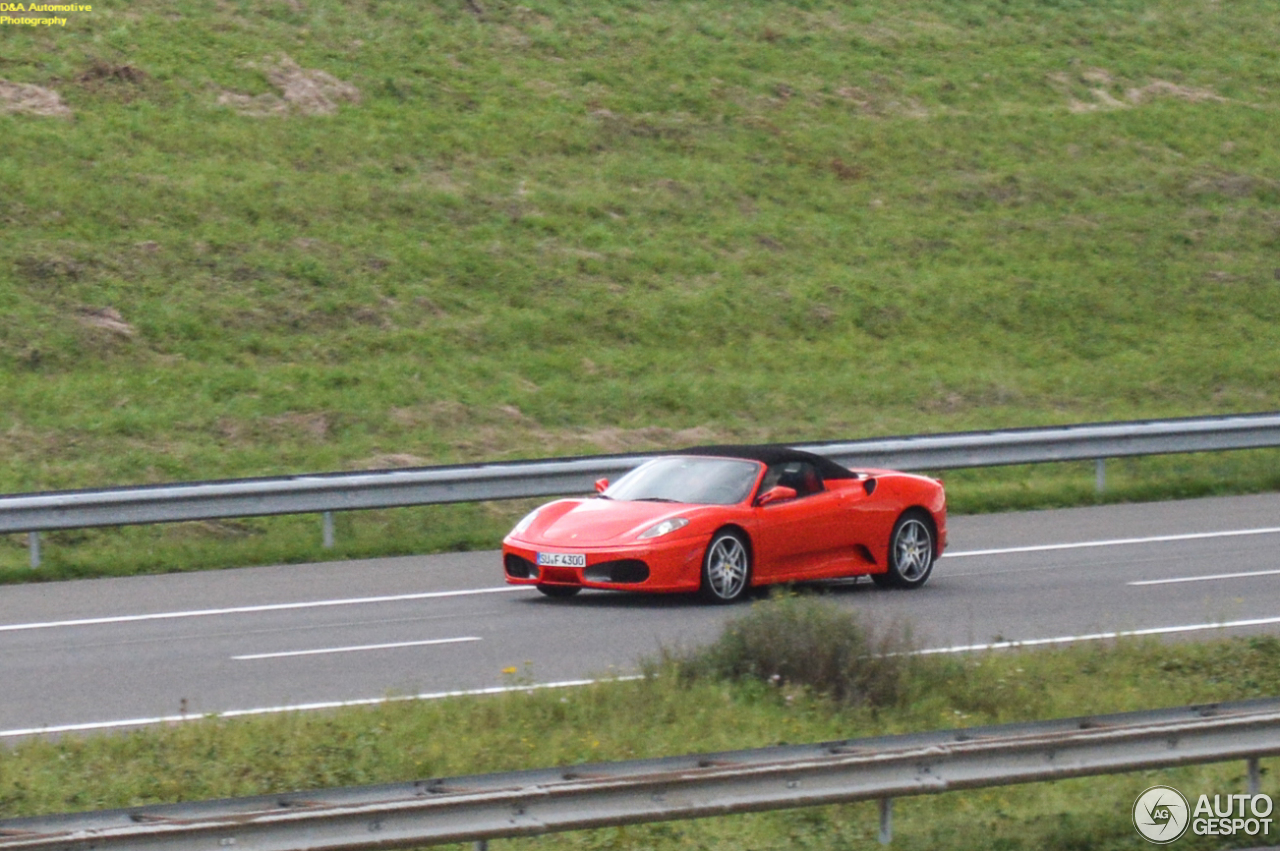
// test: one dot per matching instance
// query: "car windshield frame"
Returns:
(689, 480)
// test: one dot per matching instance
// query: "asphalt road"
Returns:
(114, 652)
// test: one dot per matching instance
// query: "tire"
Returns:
(911, 552)
(559, 591)
(726, 568)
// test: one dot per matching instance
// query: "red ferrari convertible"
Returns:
(720, 520)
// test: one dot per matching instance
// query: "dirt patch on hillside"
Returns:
(99, 70)
(1163, 88)
(1231, 185)
(1095, 89)
(882, 101)
(106, 319)
(294, 426)
(313, 425)
(125, 83)
(394, 461)
(526, 439)
(260, 106)
(48, 269)
(31, 100)
(303, 91)
(618, 440)
(489, 432)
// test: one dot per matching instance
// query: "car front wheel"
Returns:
(911, 550)
(726, 568)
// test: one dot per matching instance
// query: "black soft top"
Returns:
(771, 454)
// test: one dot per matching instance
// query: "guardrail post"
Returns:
(1100, 479)
(33, 541)
(482, 845)
(328, 530)
(886, 821)
(1255, 777)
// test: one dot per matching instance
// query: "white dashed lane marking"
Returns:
(355, 648)
(268, 607)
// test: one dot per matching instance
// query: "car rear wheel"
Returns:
(911, 550)
(559, 590)
(726, 568)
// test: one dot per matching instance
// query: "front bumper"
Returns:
(663, 566)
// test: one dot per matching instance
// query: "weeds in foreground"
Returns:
(800, 641)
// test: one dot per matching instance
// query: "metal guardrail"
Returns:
(525, 803)
(1059, 443)
(330, 492)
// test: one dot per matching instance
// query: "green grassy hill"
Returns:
(261, 236)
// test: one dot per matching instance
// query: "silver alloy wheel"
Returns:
(726, 567)
(912, 552)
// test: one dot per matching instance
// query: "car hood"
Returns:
(589, 522)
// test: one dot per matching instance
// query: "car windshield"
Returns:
(702, 481)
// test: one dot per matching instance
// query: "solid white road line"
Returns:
(1040, 548)
(1244, 575)
(269, 607)
(355, 648)
(301, 707)
(1099, 636)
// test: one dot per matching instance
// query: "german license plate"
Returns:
(562, 560)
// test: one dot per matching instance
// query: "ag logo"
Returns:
(1161, 814)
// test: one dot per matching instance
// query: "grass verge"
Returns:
(681, 709)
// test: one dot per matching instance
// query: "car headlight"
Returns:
(525, 522)
(665, 527)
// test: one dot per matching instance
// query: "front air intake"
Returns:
(519, 567)
(628, 571)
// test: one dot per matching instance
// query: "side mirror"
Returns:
(776, 494)
(601, 485)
